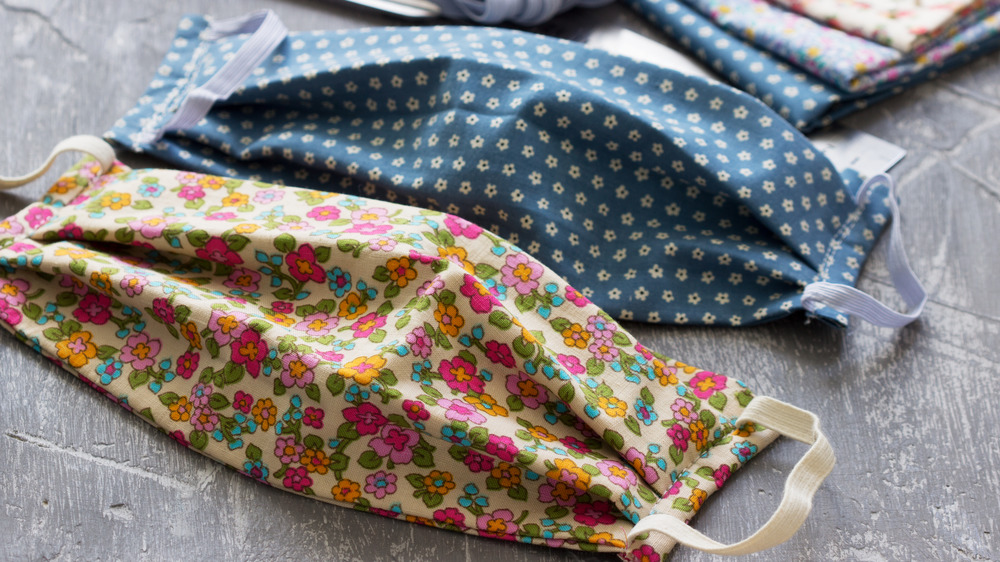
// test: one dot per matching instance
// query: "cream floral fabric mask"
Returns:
(391, 359)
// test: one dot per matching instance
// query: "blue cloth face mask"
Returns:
(662, 197)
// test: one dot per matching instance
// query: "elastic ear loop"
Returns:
(847, 299)
(803, 481)
(92, 145)
(267, 33)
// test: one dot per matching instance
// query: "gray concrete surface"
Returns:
(913, 414)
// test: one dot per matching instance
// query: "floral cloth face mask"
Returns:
(396, 360)
(850, 63)
(902, 24)
(660, 196)
(799, 93)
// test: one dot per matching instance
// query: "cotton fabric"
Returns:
(395, 360)
(902, 24)
(660, 196)
(800, 96)
(848, 62)
(826, 52)
(518, 12)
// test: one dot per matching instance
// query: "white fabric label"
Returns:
(866, 154)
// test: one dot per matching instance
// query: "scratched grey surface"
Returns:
(912, 413)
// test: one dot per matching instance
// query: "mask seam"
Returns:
(60, 200)
(836, 243)
(184, 86)
(711, 445)
(701, 457)
(762, 437)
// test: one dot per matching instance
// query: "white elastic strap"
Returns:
(521, 12)
(803, 481)
(847, 299)
(267, 33)
(91, 145)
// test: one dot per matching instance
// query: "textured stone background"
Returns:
(913, 414)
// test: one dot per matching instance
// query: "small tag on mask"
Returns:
(866, 154)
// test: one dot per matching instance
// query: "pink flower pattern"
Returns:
(249, 357)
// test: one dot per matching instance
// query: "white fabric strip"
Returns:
(853, 301)
(803, 481)
(520, 12)
(91, 145)
(267, 33)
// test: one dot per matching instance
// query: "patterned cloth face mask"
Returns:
(801, 95)
(901, 24)
(392, 359)
(848, 62)
(659, 196)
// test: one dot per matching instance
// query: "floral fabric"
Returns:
(661, 197)
(826, 52)
(395, 360)
(848, 62)
(804, 99)
(982, 32)
(904, 25)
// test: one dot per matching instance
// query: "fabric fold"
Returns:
(906, 25)
(713, 209)
(800, 96)
(845, 61)
(395, 360)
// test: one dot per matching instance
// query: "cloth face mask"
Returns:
(660, 196)
(850, 63)
(808, 101)
(392, 359)
(901, 24)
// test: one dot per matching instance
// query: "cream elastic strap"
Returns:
(803, 481)
(91, 145)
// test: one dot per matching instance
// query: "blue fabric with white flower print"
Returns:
(663, 197)
(799, 96)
